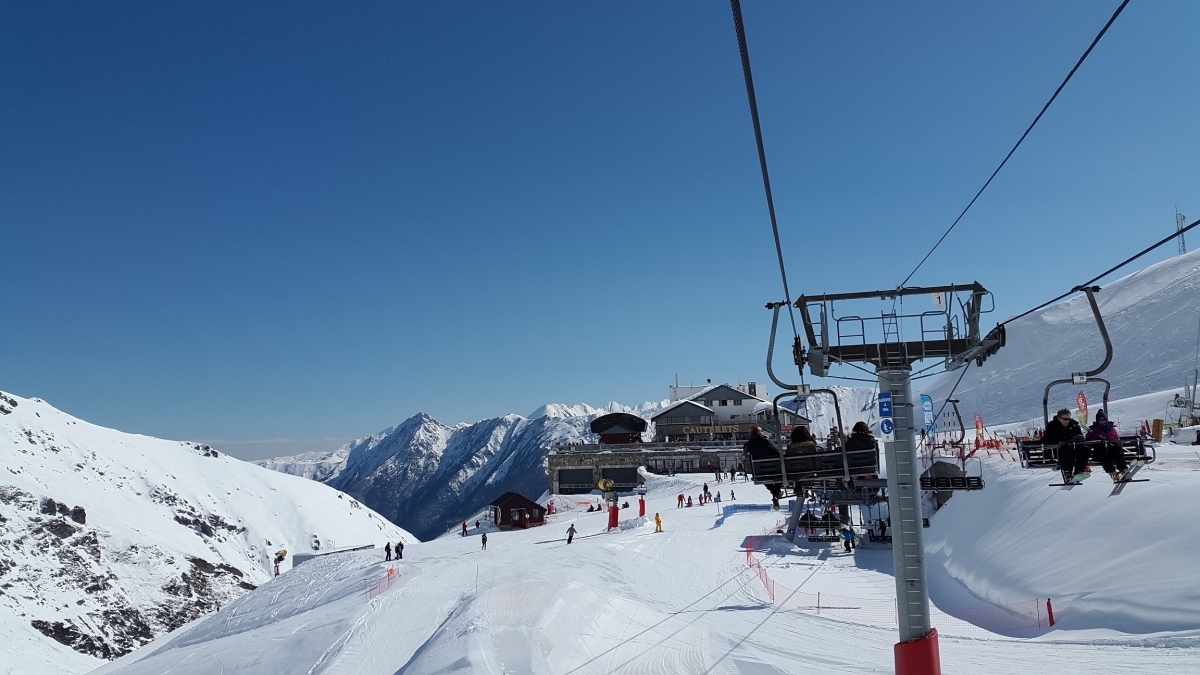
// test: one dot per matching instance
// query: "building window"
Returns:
(737, 402)
(724, 402)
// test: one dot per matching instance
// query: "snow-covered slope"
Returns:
(428, 476)
(684, 601)
(1151, 315)
(143, 535)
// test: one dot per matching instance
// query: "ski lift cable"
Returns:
(1105, 273)
(1019, 141)
(736, 6)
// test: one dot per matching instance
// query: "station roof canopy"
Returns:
(618, 423)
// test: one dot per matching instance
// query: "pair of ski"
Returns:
(1126, 477)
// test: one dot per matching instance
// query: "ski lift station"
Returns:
(703, 429)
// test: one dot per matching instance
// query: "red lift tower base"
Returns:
(919, 657)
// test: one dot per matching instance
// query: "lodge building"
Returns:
(701, 430)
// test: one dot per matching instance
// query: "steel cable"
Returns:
(1019, 141)
(736, 6)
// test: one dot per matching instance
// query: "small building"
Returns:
(722, 412)
(511, 510)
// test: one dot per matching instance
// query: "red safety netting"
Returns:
(1021, 616)
(377, 587)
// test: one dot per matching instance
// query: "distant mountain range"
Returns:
(430, 476)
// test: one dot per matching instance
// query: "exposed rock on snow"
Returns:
(108, 539)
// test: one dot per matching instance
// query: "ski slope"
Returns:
(167, 532)
(684, 601)
(1152, 317)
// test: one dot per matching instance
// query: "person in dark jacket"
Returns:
(483, 540)
(758, 447)
(861, 438)
(1073, 454)
(399, 550)
(862, 446)
(1109, 452)
(387, 550)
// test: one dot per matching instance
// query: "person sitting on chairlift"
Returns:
(802, 441)
(758, 447)
(860, 438)
(1073, 454)
(1109, 453)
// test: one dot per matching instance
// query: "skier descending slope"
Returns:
(1072, 453)
(570, 533)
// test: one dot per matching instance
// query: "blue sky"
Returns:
(250, 221)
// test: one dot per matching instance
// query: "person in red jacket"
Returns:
(1109, 452)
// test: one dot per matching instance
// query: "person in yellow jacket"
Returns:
(657, 523)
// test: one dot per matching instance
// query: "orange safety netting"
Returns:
(994, 618)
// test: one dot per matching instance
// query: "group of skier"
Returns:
(1075, 449)
(387, 550)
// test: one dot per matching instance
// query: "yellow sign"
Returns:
(727, 429)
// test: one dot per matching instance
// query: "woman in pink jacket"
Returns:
(1109, 453)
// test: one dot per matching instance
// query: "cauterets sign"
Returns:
(727, 429)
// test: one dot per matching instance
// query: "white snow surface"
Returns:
(683, 601)
(1151, 315)
(171, 532)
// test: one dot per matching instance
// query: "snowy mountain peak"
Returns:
(108, 539)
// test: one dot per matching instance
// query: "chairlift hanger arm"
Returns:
(774, 307)
(1108, 348)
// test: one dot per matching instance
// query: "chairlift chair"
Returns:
(1035, 454)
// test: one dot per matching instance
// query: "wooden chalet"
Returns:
(511, 510)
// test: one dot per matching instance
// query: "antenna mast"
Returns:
(1179, 228)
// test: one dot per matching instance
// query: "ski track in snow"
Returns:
(636, 602)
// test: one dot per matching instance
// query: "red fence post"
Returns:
(1050, 612)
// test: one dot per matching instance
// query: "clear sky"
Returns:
(251, 221)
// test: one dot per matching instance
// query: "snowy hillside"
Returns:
(428, 476)
(1152, 317)
(109, 539)
(685, 601)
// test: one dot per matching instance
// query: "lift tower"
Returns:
(949, 333)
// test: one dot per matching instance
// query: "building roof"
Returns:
(714, 392)
(507, 498)
(618, 423)
(680, 404)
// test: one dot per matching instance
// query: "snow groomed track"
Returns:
(684, 601)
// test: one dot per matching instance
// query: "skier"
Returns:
(732, 496)
(1072, 453)
(718, 499)
(680, 505)
(387, 550)
(657, 523)
(689, 502)
(570, 533)
(848, 538)
(758, 447)
(399, 550)
(483, 540)
(464, 529)
(1110, 453)
(477, 524)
